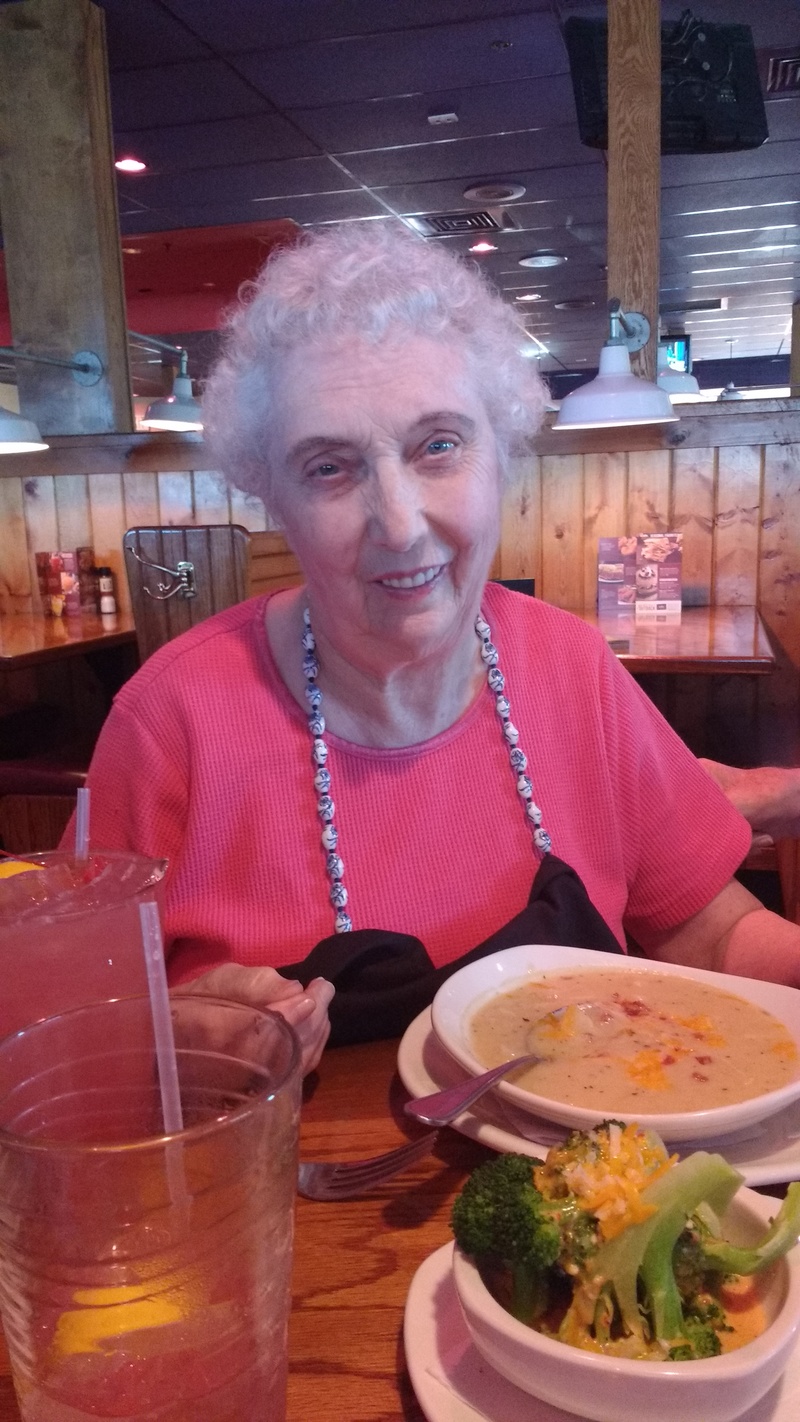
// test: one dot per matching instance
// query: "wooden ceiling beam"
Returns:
(634, 164)
(58, 203)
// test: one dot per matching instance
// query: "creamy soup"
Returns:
(635, 1042)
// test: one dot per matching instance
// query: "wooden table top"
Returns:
(706, 640)
(30, 637)
(355, 1259)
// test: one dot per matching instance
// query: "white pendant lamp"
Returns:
(18, 435)
(616, 396)
(178, 411)
(675, 382)
(730, 392)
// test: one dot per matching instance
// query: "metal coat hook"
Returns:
(182, 578)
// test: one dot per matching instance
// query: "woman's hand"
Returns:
(306, 1009)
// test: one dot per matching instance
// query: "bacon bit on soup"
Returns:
(632, 1006)
(704, 1061)
(609, 1183)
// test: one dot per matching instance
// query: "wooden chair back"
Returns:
(178, 576)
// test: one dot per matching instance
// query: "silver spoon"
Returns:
(442, 1107)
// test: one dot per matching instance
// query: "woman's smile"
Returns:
(421, 579)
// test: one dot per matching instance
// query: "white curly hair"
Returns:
(378, 282)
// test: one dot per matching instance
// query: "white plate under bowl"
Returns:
(630, 1389)
(453, 1383)
(473, 986)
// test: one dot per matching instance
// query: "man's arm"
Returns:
(732, 934)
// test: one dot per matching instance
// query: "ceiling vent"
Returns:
(782, 74)
(450, 224)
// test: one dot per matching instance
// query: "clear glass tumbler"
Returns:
(70, 932)
(147, 1277)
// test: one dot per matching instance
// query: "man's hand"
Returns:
(768, 796)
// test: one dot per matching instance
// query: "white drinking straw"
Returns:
(153, 945)
(82, 824)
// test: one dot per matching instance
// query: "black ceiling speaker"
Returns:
(711, 100)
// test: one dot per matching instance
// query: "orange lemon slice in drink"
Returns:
(8, 867)
(110, 1313)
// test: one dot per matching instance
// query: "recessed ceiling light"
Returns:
(442, 118)
(529, 296)
(541, 259)
(494, 192)
(132, 251)
(483, 247)
(130, 165)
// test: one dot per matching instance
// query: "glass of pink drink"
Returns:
(70, 932)
(147, 1277)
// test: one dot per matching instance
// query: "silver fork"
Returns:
(345, 1179)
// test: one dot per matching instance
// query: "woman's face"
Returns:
(387, 485)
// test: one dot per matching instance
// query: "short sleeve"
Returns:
(682, 839)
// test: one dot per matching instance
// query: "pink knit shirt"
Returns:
(205, 759)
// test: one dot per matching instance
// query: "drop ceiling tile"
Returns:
(769, 160)
(318, 208)
(559, 183)
(306, 211)
(711, 197)
(466, 158)
(137, 32)
(248, 24)
(783, 119)
(197, 91)
(256, 138)
(482, 109)
(407, 61)
(236, 184)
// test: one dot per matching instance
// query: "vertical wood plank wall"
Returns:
(730, 484)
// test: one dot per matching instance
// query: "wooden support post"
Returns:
(59, 210)
(634, 163)
(794, 357)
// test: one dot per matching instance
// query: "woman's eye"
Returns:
(326, 469)
(440, 446)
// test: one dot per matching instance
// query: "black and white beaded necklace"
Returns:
(334, 865)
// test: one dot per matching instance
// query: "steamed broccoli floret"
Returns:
(641, 1256)
(702, 1341)
(500, 1217)
(703, 1321)
(648, 1289)
(578, 1230)
(716, 1255)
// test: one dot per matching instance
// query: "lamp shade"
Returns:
(19, 435)
(678, 382)
(615, 397)
(730, 392)
(178, 411)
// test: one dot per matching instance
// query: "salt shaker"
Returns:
(105, 583)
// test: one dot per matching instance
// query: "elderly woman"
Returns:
(398, 744)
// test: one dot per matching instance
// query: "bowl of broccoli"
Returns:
(615, 1281)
